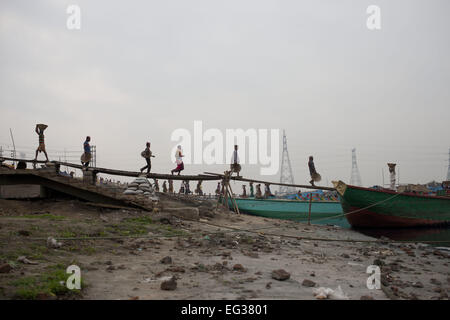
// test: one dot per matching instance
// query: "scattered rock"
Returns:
(378, 262)
(45, 296)
(308, 283)
(366, 298)
(166, 260)
(5, 268)
(24, 233)
(110, 268)
(417, 284)
(269, 285)
(176, 269)
(344, 255)
(435, 281)
(251, 254)
(280, 275)
(169, 284)
(239, 268)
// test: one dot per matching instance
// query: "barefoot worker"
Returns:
(41, 148)
(235, 166)
(199, 189)
(86, 156)
(252, 190)
(178, 156)
(170, 186)
(218, 189)
(146, 154)
(312, 171)
(244, 191)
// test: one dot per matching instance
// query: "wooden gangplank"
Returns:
(123, 173)
(236, 178)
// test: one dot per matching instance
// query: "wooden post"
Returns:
(233, 201)
(309, 211)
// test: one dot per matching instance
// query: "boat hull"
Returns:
(370, 208)
(288, 209)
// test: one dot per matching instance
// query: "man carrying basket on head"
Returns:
(41, 148)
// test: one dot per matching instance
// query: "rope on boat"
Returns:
(358, 210)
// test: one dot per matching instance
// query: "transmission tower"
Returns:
(448, 170)
(355, 179)
(286, 175)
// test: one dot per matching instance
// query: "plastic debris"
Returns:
(52, 243)
(24, 260)
(328, 293)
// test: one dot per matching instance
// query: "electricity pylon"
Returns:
(355, 178)
(286, 175)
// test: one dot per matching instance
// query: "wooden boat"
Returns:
(296, 210)
(379, 208)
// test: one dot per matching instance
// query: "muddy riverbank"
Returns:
(201, 253)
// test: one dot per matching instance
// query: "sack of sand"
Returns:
(42, 126)
(316, 177)
(85, 157)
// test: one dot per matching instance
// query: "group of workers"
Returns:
(235, 167)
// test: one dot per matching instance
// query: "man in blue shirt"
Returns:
(86, 157)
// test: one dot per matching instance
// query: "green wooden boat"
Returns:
(381, 208)
(297, 210)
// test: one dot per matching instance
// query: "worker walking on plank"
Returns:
(86, 156)
(147, 154)
(312, 171)
(178, 158)
(41, 148)
(235, 166)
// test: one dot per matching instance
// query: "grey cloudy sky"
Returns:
(137, 70)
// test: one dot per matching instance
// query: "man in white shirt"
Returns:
(235, 166)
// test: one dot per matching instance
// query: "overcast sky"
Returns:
(138, 70)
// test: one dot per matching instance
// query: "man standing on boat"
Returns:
(267, 192)
(235, 166)
(392, 174)
(258, 192)
(244, 191)
(218, 189)
(252, 191)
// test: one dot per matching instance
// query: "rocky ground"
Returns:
(185, 252)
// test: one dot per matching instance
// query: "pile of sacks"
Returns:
(140, 186)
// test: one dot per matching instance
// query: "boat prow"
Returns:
(382, 208)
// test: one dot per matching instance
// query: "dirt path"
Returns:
(207, 261)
